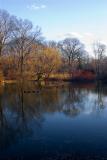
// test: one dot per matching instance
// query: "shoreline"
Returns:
(75, 81)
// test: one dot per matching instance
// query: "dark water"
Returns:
(59, 122)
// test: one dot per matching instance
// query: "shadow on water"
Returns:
(51, 122)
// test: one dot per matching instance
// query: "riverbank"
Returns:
(78, 77)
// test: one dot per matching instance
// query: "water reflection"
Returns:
(24, 114)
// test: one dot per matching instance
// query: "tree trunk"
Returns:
(21, 67)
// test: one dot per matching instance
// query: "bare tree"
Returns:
(24, 38)
(52, 44)
(99, 52)
(6, 28)
(72, 50)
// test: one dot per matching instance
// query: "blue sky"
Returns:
(85, 19)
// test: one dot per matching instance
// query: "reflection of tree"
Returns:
(100, 93)
(72, 106)
(15, 117)
(78, 100)
(21, 113)
(1, 110)
(5, 129)
(21, 118)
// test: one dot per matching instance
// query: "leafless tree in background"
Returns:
(99, 52)
(72, 50)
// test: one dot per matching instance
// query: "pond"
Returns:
(53, 122)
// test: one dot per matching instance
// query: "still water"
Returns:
(54, 122)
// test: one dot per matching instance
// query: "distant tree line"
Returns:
(24, 53)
